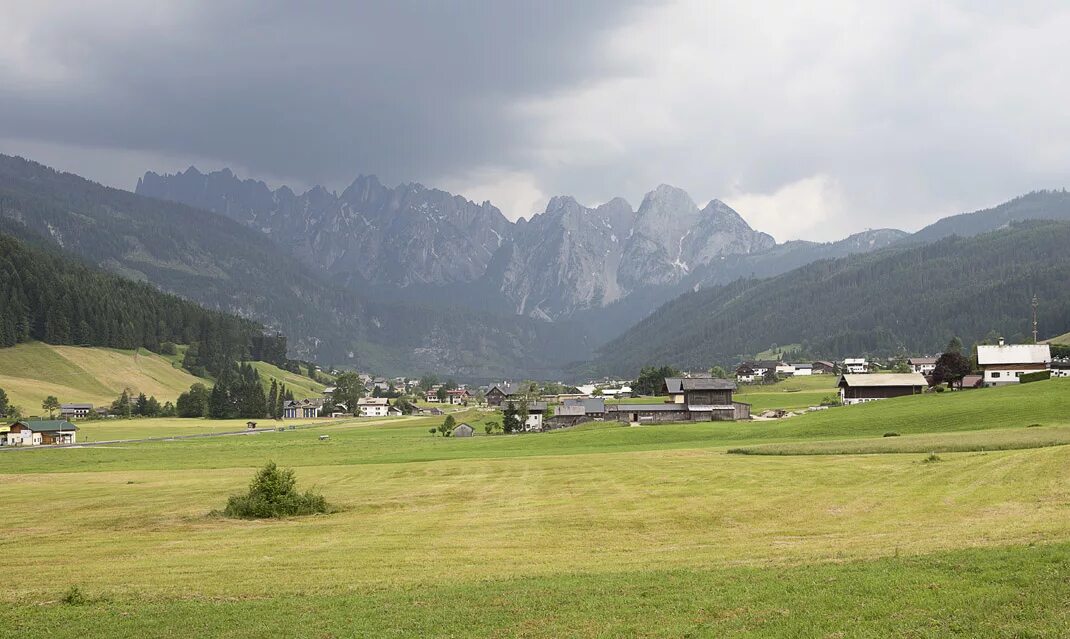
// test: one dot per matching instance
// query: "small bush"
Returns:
(890, 435)
(273, 493)
(939, 389)
(931, 459)
(1033, 426)
(75, 597)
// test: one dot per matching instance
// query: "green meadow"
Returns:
(598, 531)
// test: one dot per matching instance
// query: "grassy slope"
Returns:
(790, 394)
(1060, 339)
(597, 531)
(302, 387)
(30, 372)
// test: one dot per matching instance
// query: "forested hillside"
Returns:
(1038, 205)
(894, 301)
(54, 299)
(217, 262)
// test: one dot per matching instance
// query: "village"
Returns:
(680, 397)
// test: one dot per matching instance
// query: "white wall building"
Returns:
(1005, 363)
(373, 406)
(856, 365)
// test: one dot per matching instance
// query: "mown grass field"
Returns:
(793, 393)
(32, 371)
(603, 530)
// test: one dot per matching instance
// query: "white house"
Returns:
(68, 411)
(856, 365)
(922, 365)
(785, 369)
(1005, 363)
(373, 406)
(804, 370)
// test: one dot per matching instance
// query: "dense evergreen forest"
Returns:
(52, 298)
(906, 300)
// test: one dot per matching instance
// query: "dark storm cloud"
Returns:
(317, 92)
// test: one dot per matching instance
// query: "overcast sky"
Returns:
(814, 120)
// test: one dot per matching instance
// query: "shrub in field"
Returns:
(74, 597)
(273, 493)
(931, 459)
(891, 435)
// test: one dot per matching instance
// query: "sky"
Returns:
(814, 120)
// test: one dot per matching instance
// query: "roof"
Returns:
(825, 363)
(854, 360)
(625, 408)
(373, 401)
(804, 365)
(921, 360)
(969, 381)
(590, 404)
(884, 379)
(674, 385)
(1014, 354)
(537, 407)
(463, 425)
(507, 388)
(707, 383)
(47, 425)
(75, 406)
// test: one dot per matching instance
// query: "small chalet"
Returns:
(373, 406)
(922, 365)
(301, 408)
(804, 370)
(458, 396)
(1060, 368)
(38, 433)
(856, 365)
(690, 399)
(536, 412)
(859, 388)
(72, 411)
(432, 393)
(463, 430)
(822, 367)
(745, 374)
(1005, 363)
(498, 394)
(593, 407)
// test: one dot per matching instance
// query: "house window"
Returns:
(995, 374)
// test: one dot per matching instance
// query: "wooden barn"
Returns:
(868, 387)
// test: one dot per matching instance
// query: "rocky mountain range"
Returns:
(571, 259)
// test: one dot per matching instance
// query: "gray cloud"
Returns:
(814, 121)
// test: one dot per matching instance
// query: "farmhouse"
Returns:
(373, 406)
(744, 374)
(38, 432)
(536, 412)
(858, 388)
(432, 393)
(785, 369)
(501, 393)
(463, 430)
(71, 411)
(922, 365)
(1005, 363)
(1060, 368)
(804, 370)
(457, 396)
(301, 408)
(856, 365)
(822, 367)
(690, 399)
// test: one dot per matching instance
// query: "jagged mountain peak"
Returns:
(667, 198)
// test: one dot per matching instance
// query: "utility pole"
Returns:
(1035, 304)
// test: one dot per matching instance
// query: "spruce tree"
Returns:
(273, 399)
